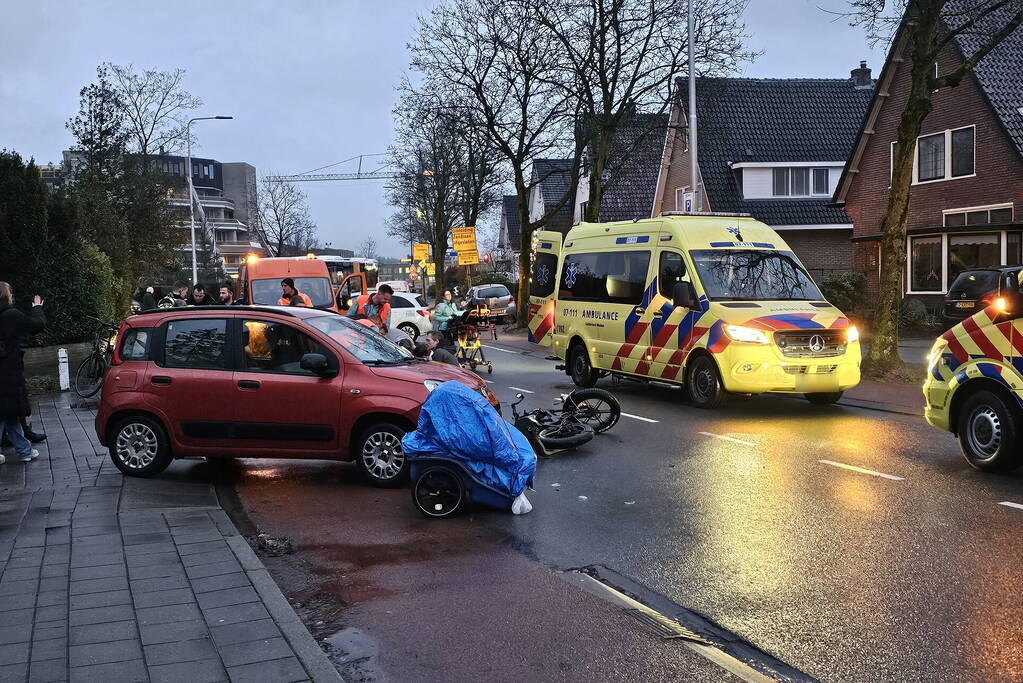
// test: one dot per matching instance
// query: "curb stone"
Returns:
(313, 658)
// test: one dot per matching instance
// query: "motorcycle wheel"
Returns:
(566, 435)
(594, 407)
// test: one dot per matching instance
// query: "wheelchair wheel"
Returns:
(438, 492)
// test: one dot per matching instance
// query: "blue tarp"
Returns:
(459, 422)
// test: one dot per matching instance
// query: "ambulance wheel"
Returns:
(824, 399)
(987, 433)
(582, 372)
(704, 383)
(438, 492)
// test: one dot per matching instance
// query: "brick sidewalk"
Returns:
(111, 579)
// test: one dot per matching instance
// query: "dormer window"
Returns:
(796, 182)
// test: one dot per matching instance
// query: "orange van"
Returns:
(259, 282)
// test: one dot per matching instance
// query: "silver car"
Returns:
(495, 297)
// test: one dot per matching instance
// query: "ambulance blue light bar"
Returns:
(721, 214)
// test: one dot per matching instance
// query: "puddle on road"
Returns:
(354, 654)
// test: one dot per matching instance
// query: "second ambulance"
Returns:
(715, 302)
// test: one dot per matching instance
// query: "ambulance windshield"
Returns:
(753, 275)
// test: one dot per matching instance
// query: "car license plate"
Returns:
(964, 304)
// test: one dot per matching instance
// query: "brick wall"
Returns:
(821, 249)
(677, 174)
(999, 169)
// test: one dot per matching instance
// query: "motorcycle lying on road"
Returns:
(583, 414)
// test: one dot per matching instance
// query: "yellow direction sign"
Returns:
(463, 239)
(468, 258)
(431, 269)
(420, 252)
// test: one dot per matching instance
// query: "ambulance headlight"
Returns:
(852, 334)
(746, 334)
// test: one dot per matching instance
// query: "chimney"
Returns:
(861, 76)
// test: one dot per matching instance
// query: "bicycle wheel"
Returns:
(89, 376)
(594, 407)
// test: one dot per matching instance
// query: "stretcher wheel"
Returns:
(490, 369)
(438, 492)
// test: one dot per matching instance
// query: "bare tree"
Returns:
(156, 107)
(368, 248)
(448, 173)
(499, 62)
(921, 31)
(623, 56)
(283, 214)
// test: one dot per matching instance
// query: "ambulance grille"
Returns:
(810, 369)
(810, 343)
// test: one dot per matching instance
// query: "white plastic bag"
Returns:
(521, 505)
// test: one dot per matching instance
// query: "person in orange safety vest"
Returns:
(290, 296)
(374, 308)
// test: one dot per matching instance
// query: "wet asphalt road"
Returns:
(844, 575)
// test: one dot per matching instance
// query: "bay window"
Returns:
(934, 261)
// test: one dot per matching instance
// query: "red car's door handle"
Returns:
(248, 384)
(161, 379)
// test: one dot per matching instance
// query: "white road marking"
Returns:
(641, 419)
(1010, 504)
(861, 470)
(727, 438)
(497, 348)
(524, 391)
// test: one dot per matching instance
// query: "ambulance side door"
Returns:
(672, 327)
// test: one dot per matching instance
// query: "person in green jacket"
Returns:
(444, 313)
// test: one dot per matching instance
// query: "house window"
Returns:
(925, 264)
(820, 181)
(962, 152)
(966, 252)
(800, 178)
(930, 161)
(1013, 248)
(796, 182)
(999, 215)
(781, 182)
(942, 156)
(680, 198)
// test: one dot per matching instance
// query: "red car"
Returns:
(263, 382)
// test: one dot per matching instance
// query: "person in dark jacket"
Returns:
(14, 404)
(434, 339)
(148, 300)
(200, 297)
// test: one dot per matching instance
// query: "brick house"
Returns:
(773, 148)
(966, 201)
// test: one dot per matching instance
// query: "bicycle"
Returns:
(89, 375)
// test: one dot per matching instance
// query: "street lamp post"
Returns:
(191, 190)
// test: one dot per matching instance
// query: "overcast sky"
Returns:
(309, 83)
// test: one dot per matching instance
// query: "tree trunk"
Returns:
(884, 339)
(525, 249)
(601, 152)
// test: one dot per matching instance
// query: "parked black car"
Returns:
(974, 290)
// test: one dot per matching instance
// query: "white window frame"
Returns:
(680, 197)
(984, 207)
(1003, 242)
(788, 172)
(948, 157)
(827, 186)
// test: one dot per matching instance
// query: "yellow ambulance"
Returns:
(974, 385)
(717, 303)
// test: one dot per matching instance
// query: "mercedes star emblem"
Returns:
(817, 343)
